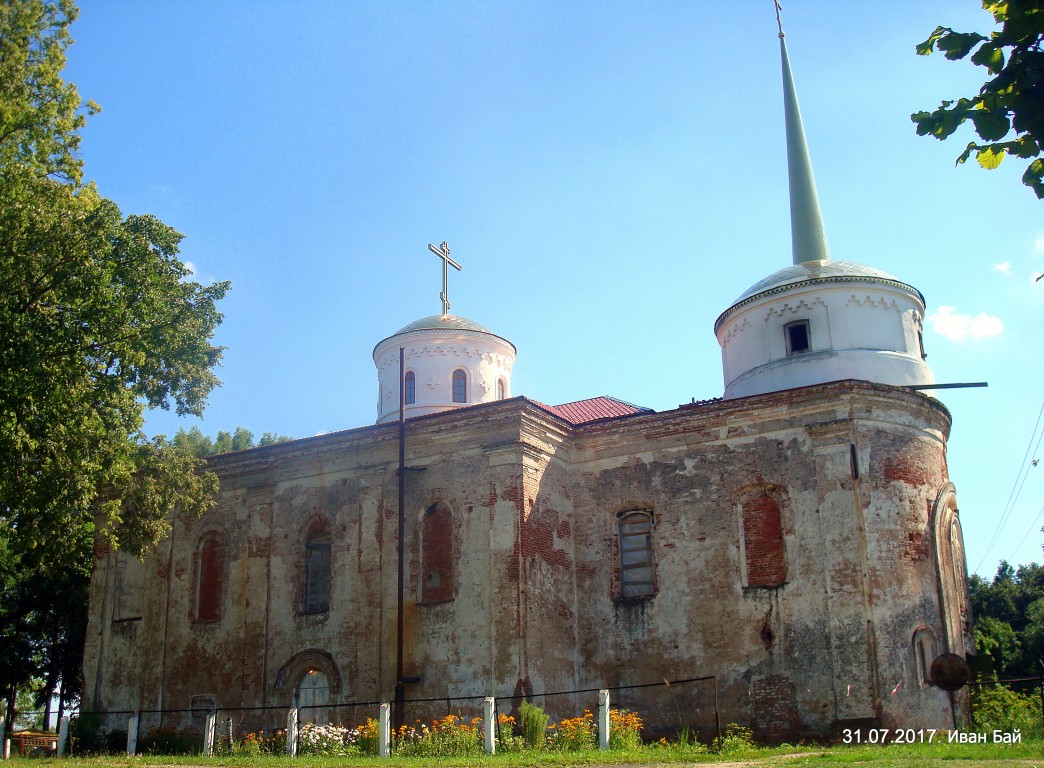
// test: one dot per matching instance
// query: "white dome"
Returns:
(822, 321)
(450, 362)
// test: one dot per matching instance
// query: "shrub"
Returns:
(997, 707)
(168, 741)
(573, 733)
(534, 725)
(507, 741)
(625, 729)
(327, 740)
(367, 737)
(87, 736)
(448, 737)
(737, 739)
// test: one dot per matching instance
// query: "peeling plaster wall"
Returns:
(854, 471)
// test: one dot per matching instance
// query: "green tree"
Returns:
(1013, 601)
(99, 321)
(1033, 633)
(1008, 112)
(198, 444)
(998, 639)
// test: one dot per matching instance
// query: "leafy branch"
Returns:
(1012, 100)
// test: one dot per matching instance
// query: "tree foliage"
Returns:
(1009, 618)
(100, 321)
(193, 441)
(1008, 112)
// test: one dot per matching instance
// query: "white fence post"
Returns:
(603, 719)
(63, 736)
(132, 735)
(208, 733)
(384, 730)
(291, 732)
(488, 708)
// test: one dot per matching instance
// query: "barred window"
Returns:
(501, 389)
(636, 556)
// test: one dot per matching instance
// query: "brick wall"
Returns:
(763, 541)
(437, 555)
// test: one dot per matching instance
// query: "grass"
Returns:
(940, 755)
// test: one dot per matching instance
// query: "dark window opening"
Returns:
(797, 337)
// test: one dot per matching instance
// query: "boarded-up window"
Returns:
(317, 569)
(636, 556)
(763, 541)
(311, 696)
(437, 554)
(210, 581)
(126, 590)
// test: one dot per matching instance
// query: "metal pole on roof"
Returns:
(400, 685)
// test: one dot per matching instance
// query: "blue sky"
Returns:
(610, 175)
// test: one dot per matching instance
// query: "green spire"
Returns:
(807, 235)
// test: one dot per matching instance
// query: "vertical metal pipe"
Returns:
(717, 715)
(400, 688)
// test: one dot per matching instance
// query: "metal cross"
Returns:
(443, 252)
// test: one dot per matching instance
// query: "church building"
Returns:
(793, 547)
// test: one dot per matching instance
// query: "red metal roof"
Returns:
(593, 409)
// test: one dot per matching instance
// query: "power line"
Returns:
(1016, 489)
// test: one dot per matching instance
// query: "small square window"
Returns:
(798, 337)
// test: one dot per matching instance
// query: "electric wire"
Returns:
(1016, 489)
(1029, 530)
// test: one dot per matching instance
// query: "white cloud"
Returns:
(192, 267)
(1004, 268)
(946, 321)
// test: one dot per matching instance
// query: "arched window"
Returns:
(924, 654)
(437, 554)
(636, 555)
(460, 386)
(501, 389)
(317, 569)
(210, 578)
(411, 387)
(952, 570)
(311, 696)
